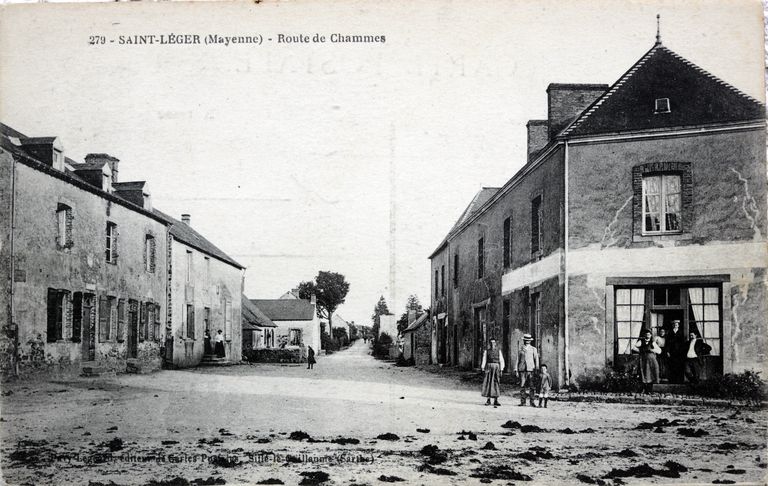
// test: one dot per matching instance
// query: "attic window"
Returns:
(662, 106)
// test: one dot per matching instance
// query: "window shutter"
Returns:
(121, 320)
(114, 242)
(157, 322)
(53, 295)
(142, 320)
(103, 318)
(152, 255)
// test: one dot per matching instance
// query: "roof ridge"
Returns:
(703, 71)
(611, 90)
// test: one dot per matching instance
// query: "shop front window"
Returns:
(630, 309)
(704, 316)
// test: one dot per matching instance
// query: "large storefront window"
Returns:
(630, 307)
(704, 316)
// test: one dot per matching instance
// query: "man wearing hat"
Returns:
(527, 364)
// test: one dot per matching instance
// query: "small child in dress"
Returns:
(545, 384)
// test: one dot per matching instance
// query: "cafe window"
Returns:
(704, 316)
(630, 309)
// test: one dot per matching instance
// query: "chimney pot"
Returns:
(186, 219)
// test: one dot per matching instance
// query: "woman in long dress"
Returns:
(493, 364)
(649, 367)
(310, 358)
(207, 348)
(220, 345)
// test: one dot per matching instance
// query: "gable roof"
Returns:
(696, 97)
(286, 309)
(184, 233)
(253, 317)
(482, 196)
(417, 323)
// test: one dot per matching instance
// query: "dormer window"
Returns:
(662, 106)
(58, 159)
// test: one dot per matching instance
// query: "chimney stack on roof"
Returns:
(112, 161)
(538, 137)
(567, 101)
(313, 299)
(186, 219)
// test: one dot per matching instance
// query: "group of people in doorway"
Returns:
(534, 376)
(667, 355)
(670, 356)
(218, 347)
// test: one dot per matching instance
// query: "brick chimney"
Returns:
(567, 101)
(112, 161)
(186, 219)
(538, 136)
(313, 299)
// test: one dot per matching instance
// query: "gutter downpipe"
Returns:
(565, 275)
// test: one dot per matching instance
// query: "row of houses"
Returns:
(95, 277)
(641, 203)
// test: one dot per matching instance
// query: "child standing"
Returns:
(545, 384)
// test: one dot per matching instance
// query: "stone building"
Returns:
(417, 340)
(641, 203)
(205, 288)
(297, 323)
(83, 263)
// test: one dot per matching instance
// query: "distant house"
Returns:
(258, 329)
(296, 320)
(417, 340)
(205, 290)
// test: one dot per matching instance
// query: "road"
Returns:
(244, 425)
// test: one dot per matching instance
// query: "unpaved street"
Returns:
(355, 420)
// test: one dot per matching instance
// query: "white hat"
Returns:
(527, 337)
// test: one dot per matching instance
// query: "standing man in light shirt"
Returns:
(527, 364)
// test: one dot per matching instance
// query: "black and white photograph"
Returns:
(346, 242)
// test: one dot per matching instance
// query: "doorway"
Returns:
(88, 346)
(133, 329)
(480, 335)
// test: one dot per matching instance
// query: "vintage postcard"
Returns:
(346, 242)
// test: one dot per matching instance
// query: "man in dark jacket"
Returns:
(695, 349)
(674, 353)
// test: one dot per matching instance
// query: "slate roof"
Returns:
(696, 98)
(253, 317)
(286, 309)
(184, 233)
(482, 196)
(417, 323)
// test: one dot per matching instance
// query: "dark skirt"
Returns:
(220, 350)
(492, 380)
(311, 359)
(649, 368)
(207, 346)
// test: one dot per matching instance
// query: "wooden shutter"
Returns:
(142, 320)
(103, 318)
(120, 320)
(157, 322)
(53, 296)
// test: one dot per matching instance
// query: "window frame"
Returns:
(481, 257)
(507, 242)
(536, 213)
(686, 197)
(456, 269)
(64, 219)
(150, 253)
(110, 252)
(663, 211)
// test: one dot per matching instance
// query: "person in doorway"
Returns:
(545, 384)
(492, 365)
(310, 358)
(661, 342)
(220, 344)
(695, 349)
(674, 353)
(527, 363)
(207, 348)
(649, 367)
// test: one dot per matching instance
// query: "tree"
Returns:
(412, 304)
(330, 289)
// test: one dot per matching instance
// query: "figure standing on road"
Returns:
(696, 348)
(310, 358)
(493, 365)
(649, 367)
(220, 344)
(207, 348)
(545, 384)
(527, 363)
(675, 353)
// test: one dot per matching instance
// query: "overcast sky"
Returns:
(288, 156)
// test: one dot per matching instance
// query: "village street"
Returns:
(251, 423)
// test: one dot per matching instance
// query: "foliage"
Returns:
(401, 361)
(272, 355)
(746, 385)
(381, 346)
(340, 335)
(618, 381)
(330, 289)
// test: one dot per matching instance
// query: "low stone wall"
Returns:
(274, 355)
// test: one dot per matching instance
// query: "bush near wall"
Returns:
(273, 355)
(742, 386)
(381, 346)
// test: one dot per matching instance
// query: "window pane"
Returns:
(638, 296)
(711, 330)
(652, 203)
(652, 185)
(673, 296)
(711, 313)
(671, 184)
(660, 296)
(711, 295)
(696, 295)
(625, 346)
(622, 296)
(637, 312)
(672, 222)
(715, 343)
(623, 330)
(652, 222)
(635, 328)
(622, 313)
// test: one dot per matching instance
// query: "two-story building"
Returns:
(641, 203)
(83, 266)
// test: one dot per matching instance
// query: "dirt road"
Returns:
(355, 420)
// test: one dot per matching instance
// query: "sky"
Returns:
(353, 158)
